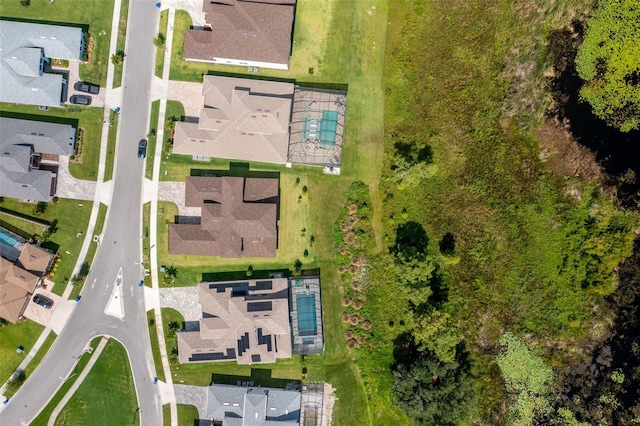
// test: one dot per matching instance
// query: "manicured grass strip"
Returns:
(162, 29)
(92, 15)
(24, 333)
(111, 145)
(169, 317)
(107, 392)
(188, 415)
(88, 119)
(155, 346)
(166, 415)
(35, 361)
(122, 38)
(102, 213)
(151, 138)
(146, 250)
(73, 217)
(43, 418)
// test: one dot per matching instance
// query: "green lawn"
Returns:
(93, 15)
(155, 346)
(107, 392)
(122, 38)
(73, 217)
(151, 138)
(24, 333)
(102, 213)
(35, 361)
(111, 145)
(43, 418)
(162, 28)
(86, 118)
(166, 415)
(188, 415)
(292, 242)
(146, 211)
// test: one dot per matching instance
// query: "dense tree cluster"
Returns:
(608, 63)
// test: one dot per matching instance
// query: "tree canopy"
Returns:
(608, 63)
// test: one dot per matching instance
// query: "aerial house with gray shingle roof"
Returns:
(28, 157)
(243, 32)
(25, 51)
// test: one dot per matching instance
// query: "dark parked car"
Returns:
(43, 301)
(80, 100)
(81, 86)
(142, 148)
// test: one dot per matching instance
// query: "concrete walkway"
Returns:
(78, 382)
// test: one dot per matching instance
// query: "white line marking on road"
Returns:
(94, 283)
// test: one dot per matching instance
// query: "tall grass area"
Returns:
(534, 253)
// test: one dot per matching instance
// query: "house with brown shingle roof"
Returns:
(34, 259)
(243, 321)
(243, 32)
(238, 218)
(241, 119)
(16, 286)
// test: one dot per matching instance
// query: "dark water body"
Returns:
(617, 152)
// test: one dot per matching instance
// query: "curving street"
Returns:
(120, 250)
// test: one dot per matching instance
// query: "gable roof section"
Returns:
(253, 406)
(248, 319)
(34, 259)
(257, 31)
(16, 285)
(50, 138)
(238, 218)
(241, 119)
(23, 47)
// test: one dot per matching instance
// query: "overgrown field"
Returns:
(482, 238)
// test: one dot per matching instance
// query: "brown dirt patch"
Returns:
(562, 155)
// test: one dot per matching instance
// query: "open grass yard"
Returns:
(72, 217)
(188, 415)
(122, 38)
(107, 392)
(43, 418)
(24, 333)
(86, 118)
(102, 213)
(292, 241)
(111, 145)
(94, 17)
(162, 29)
(35, 361)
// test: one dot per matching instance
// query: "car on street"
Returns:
(81, 86)
(80, 100)
(142, 148)
(43, 301)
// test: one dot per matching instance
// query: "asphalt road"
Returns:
(120, 250)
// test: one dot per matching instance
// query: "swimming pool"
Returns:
(9, 245)
(306, 308)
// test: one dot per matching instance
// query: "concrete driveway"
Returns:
(174, 192)
(183, 299)
(70, 187)
(189, 94)
(39, 314)
(74, 76)
(194, 7)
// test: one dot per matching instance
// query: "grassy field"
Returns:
(111, 145)
(24, 333)
(88, 119)
(43, 418)
(162, 29)
(94, 17)
(292, 242)
(102, 213)
(35, 361)
(72, 216)
(187, 415)
(151, 139)
(107, 392)
(122, 38)
(155, 346)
